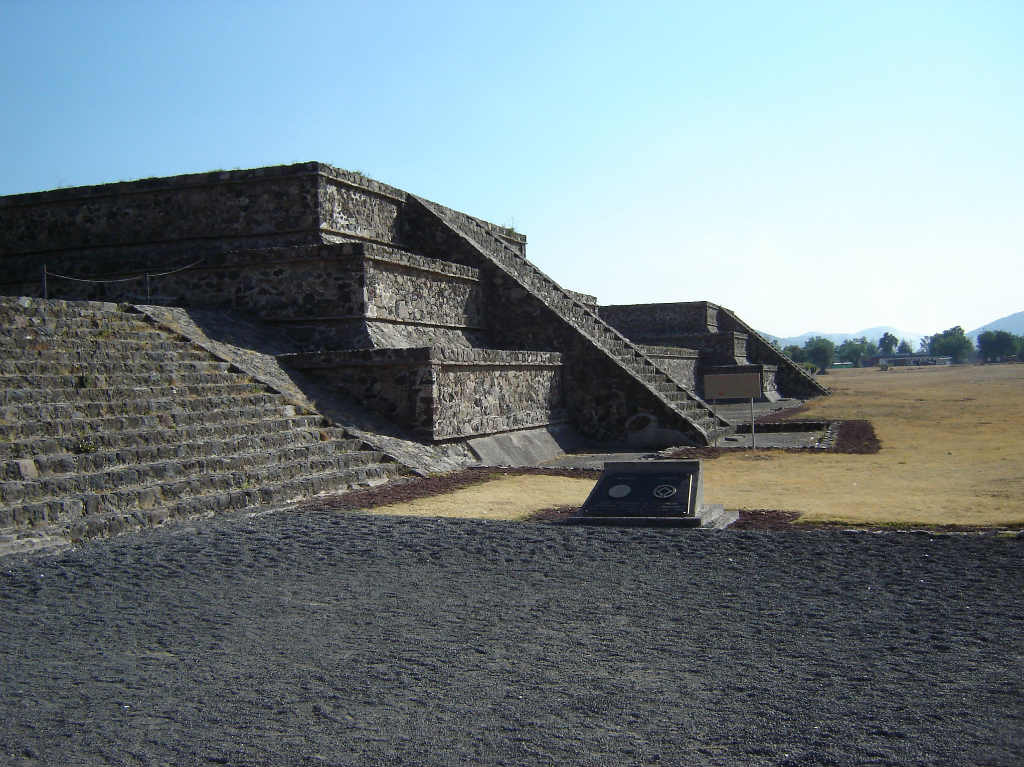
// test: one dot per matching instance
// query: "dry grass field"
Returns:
(952, 454)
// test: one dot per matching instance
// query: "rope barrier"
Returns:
(146, 276)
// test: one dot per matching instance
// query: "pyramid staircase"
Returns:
(108, 423)
(705, 424)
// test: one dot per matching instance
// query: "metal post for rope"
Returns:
(44, 282)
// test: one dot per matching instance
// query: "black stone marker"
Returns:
(645, 494)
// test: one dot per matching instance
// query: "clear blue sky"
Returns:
(812, 165)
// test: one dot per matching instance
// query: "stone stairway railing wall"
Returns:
(608, 377)
(108, 423)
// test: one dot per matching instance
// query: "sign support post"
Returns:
(752, 438)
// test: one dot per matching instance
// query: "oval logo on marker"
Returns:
(664, 491)
(619, 491)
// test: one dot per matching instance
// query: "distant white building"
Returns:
(908, 360)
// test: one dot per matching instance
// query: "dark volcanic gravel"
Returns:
(343, 639)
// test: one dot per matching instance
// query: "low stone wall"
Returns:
(484, 391)
(409, 288)
(228, 205)
(680, 364)
(646, 323)
(447, 393)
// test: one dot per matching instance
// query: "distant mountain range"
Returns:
(1012, 323)
(872, 334)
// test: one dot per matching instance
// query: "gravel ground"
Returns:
(348, 639)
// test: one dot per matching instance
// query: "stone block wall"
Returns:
(479, 391)
(229, 205)
(350, 205)
(447, 393)
(413, 290)
(290, 281)
(715, 348)
(647, 322)
(681, 364)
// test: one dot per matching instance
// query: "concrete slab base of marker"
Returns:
(715, 517)
(650, 494)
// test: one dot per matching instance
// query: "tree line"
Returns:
(991, 346)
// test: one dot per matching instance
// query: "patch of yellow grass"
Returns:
(507, 498)
(952, 453)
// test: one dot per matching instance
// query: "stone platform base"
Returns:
(525, 447)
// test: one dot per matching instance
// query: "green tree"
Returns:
(951, 343)
(887, 343)
(855, 350)
(795, 353)
(820, 351)
(997, 345)
(904, 348)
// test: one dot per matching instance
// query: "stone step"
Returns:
(164, 363)
(27, 305)
(67, 411)
(31, 541)
(87, 427)
(102, 525)
(140, 334)
(42, 309)
(320, 456)
(112, 323)
(93, 379)
(55, 464)
(60, 348)
(259, 482)
(136, 438)
(67, 394)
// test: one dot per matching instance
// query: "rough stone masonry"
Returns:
(428, 316)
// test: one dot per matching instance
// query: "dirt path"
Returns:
(346, 639)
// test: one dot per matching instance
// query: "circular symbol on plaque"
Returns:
(619, 491)
(664, 491)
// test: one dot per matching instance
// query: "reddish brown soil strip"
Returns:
(856, 437)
